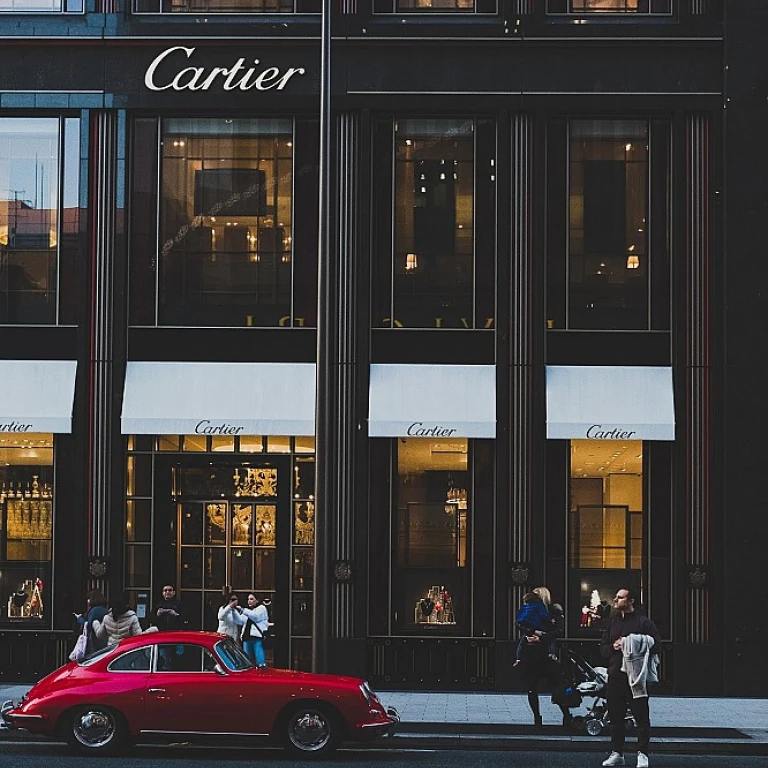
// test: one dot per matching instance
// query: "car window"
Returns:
(133, 661)
(183, 657)
(231, 656)
(96, 655)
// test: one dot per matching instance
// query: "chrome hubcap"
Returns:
(94, 728)
(309, 731)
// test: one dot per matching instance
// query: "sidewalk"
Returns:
(447, 720)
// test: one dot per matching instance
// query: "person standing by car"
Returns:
(255, 628)
(231, 618)
(119, 623)
(627, 619)
(96, 609)
(167, 614)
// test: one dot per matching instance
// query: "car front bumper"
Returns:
(381, 728)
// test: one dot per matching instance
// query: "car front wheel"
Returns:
(95, 729)
(311, 731)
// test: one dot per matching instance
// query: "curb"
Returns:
(458, 740)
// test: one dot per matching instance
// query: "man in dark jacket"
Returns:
(626, 620)
(167, 613)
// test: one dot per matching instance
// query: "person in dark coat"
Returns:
(96, 609)
(536, 650)
(626, 620)
(167, 614)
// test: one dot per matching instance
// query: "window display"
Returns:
(605, 531)
(26, 525)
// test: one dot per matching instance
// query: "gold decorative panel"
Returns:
(265, 525)
(250, 481)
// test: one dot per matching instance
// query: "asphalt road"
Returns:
(32, 755)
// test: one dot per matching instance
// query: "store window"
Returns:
(41, 6)
(434, 6)
(435, 241)
(226, 255)
(606, 529)
(39, 216)
(609, 6)
(227, 6)
(26, 529)
(204, 514)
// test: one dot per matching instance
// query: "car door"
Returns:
(182, 695)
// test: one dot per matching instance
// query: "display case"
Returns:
(26, 534)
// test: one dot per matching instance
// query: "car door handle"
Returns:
(155, 690)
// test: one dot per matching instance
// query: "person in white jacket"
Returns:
(119, 623)
(231, 619)
(256, 626)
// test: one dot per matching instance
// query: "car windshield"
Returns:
(95, 655)
(232, 657)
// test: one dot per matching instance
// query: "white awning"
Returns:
(36, 395)
(164, 398)
(432, 401)
(610, 403)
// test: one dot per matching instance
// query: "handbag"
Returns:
(78, 652)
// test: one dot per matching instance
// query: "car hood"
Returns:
(307, 678)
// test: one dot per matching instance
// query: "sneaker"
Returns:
(614, 759)
(642, 760)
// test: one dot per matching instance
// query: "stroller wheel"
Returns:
(594, 727)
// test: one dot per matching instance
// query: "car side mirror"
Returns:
(218, 669)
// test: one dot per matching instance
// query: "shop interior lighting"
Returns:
(411, 262)
(633, 261)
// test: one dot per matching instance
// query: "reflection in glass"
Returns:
(264, 569)
(226, 255)
(192, 523)
(303, 568)
(608, 242)
(29, 219)
(609, 6)
(215, 567)
(434, 223)
(301, 614)
(241, 564)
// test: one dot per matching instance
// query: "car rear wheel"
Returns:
(311, 730)
(95, 729)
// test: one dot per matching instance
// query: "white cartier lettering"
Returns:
(205, 427)
(417, 429)
(238, 76)
(596, 432)
(14, 426)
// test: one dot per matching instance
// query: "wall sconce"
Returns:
(411, 262)
(633, 261)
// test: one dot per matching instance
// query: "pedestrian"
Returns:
(119, 623)
(536, 655)
(167, 614)
(630, 637)
(231, 618)
(96, 609)
(255, 629)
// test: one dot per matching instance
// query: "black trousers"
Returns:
(619, 696)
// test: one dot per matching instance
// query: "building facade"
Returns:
(525, 369)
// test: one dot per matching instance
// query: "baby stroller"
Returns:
(582, 692)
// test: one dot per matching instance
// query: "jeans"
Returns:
(254, 650)
(619, 696)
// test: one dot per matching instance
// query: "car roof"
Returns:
(177, 636)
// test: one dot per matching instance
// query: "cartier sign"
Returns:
(240, 75)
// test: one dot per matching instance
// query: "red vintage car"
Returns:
(196, 685)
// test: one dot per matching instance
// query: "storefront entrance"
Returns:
(242, 520)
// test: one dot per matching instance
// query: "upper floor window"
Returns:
(39, 216)
(227, 6)
(435, 238)
(434, 6)
(608, 248)
(609, 6)
(41, 6)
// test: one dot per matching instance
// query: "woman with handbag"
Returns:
(255, 629)
(96, 610)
